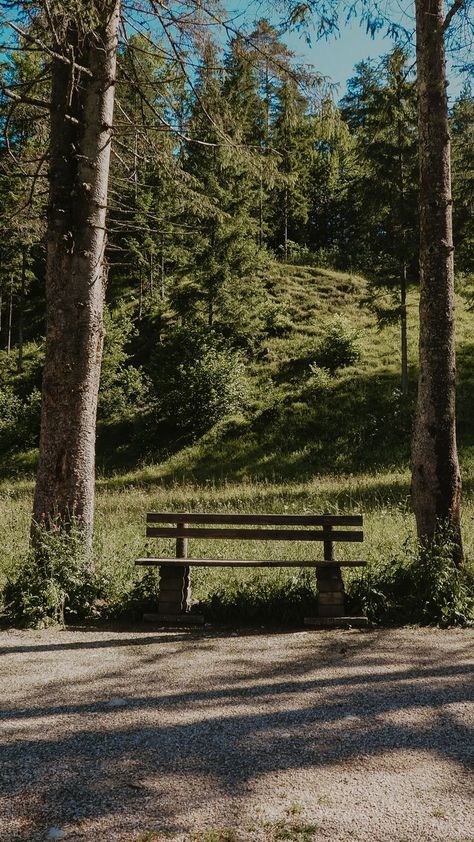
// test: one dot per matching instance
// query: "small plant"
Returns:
(419, 585)
(292, 831)
(198, 381)
(217, 836)
(56, 579)
(319, 379)
(262, 598)
(337, 348)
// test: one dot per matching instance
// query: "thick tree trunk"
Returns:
(81, 127)
(436, 482)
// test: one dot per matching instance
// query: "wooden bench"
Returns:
(175, 587)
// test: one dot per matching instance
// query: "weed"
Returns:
(291, 831)
(217, 836)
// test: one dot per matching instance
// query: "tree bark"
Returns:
(10, 318)
(436, 481)
(21, 314)
(81, 128)
(403, 328)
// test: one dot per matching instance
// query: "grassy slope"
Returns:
(343, 449)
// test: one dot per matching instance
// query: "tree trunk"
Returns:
(151, 279)
(403, 327)
(403, 264)
(81, 127)
(21, 314)
(10, 318)
(436, 481)
(140, 299)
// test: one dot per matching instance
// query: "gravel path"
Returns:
(106, 735)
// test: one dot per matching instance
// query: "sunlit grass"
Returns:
(289, 453)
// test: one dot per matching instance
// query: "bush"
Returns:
(55, 581)
(19, 418)
(198, 381)
(262, 598)
(337, 348)
(276, 321)
(318, 381)
(124, 388)
(420, 585)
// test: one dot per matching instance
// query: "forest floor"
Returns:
(214, 736)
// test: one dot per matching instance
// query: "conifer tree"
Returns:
(462, 130)
(227, 256)
(381, 109)
(291, 136)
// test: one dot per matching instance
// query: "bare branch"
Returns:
(27, 100)
(457, 5)
(47, 49)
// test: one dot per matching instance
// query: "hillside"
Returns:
(297, 425)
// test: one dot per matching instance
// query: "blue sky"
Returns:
(337, 56)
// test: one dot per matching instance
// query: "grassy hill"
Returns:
(297, 426)
(305, 443)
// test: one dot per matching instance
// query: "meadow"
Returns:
(302, 446)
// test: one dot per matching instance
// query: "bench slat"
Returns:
(220, 562)
(262, 519)
(252, 534)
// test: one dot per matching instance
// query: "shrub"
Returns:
(276, 321)
(337, 348)
(420, 585)
(19, 418)
(55, 580)
(198, 380)
(318, 381)
(124, 388)
(271, 599)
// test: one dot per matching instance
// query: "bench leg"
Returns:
(330, 592)
(175, 591)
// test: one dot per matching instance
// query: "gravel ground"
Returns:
(342, 735)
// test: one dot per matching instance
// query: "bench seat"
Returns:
(222, 562)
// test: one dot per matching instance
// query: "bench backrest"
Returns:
(324, 528)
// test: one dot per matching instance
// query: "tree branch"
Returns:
(457, 5)
(27, 100)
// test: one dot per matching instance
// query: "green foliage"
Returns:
(123, 387)
(19, 418)
(270, 599)
(55, 581)
(198, 381)
(462, 126)
(420, 584)
(337, 348)
(141, 596)
(319, 380)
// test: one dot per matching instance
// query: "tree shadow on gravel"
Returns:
(159, 753)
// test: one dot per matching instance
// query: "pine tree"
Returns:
(462, 130)
(291, 136)
(226, 258)
(381, 110)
